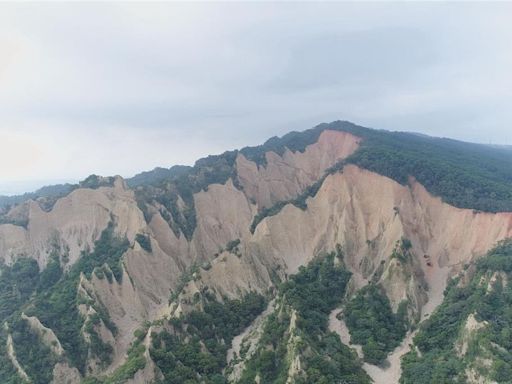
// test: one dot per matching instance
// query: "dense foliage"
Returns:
(195, 352)
(17, 283)
(95, 182)
(8, 373)
(437, 359)
(311, 294)
(134, 363)
(35, 357)
(157, 175)
(315, 291)
(373, 325)
(57, 306)
(232, 246)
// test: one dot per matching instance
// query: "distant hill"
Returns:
(156, 175)
(46, 191)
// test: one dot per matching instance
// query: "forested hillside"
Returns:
(309, 259)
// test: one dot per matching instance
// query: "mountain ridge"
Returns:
(294, 141)
(123, 276)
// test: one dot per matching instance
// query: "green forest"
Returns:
(373, 325)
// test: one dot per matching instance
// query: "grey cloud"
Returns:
(191, 79)
(375, 55)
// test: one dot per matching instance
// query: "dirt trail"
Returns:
(339, 327)
(391, 374)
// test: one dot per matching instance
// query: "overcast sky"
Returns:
(120, 88)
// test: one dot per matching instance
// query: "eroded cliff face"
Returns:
(284, 177)
(72, 226)
(369, 216)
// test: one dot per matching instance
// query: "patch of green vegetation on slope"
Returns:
(135, 361)
(195, 350)
(144, 241)
(57, 308)
(8, 374)
(311, 294)
(157, 175)
(436, 359)
(52, 297)
(36, 358)
(17, 283)
(373, 325)
(95, 182)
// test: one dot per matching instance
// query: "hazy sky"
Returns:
(119, 88)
